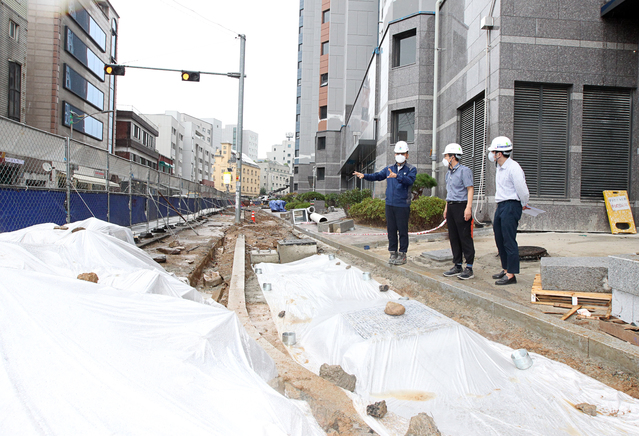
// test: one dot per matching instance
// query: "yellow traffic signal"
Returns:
(114, 70)
(190, 76)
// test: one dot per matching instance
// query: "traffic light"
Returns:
(190, 76)
(114, 70)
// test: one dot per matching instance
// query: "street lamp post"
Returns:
(240, 127)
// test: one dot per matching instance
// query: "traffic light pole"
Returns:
(240, 120)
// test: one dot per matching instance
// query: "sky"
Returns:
(201, 35)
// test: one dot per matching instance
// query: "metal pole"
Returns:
(434, 155)
(68, 158)
(148, 196)
(130, 193)
(240, 127)
(108, 176)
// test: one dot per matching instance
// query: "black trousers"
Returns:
(461, 240)
(397, 222)
(505, 225)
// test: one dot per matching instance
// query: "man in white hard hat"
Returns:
(458, 212)
(399, 183)
(511, 196)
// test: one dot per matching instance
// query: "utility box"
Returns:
(264, 256)
(291, 250)
(299, 216)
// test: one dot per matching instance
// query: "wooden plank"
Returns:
(618, 331)
(567, 298)
(570, 312)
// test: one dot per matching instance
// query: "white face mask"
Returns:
(400, 158)
(491, 156)
(445, 162)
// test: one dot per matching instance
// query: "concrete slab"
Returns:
(583, 274)
(292, 250)
(623, 273)
(342, 226)
(439, 255)
(264, 256)
(324, 227)
(625, 306)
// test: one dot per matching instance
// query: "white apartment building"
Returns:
(283, 153)
(198, 150)
(217, 132)
(273, 176)
(249, 140)
(170, 141)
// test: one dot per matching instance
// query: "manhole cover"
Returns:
(532, 253)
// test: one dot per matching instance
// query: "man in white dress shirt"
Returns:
(511, 196)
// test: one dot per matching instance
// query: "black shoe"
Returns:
(499, 274)
(400, 260)
(454, 271)
(506, 281)
(467, 274)
(393, 257)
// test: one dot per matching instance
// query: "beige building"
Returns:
(225, 161)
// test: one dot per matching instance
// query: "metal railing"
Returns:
(49, 178)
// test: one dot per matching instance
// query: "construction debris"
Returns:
(77, 229)
(212, 278)
(173, 251)
(621, 330)
(394, 309)
(174, 244)
(161, 258)
(571, 298)
(383, 288)
(588, 409)
(281, 314)
(377, 410)
(422, 425)
(89, 277)
(60, 228)
(336, 375)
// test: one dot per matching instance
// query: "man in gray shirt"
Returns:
(458, 212)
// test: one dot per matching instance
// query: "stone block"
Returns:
(292, 250)
(342, 226)
(336, 375)
(623, 273)
(320, 206)
(212, 278)
(582, 274)
(444, 255)
(285, 215)
(625, 306)
(324, 227)
(264, 256)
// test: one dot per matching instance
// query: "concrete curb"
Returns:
(589, 343)
(338, 413)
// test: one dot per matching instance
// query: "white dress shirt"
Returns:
(510, 183)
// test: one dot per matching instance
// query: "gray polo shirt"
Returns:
(457, 181)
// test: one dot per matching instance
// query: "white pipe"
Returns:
(317, 218)
(435, 92)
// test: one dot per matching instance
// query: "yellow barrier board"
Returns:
(619, 212)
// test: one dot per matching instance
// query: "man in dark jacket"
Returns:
(399, 183)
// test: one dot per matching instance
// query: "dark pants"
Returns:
(505, 224)
(459, 233)
(397, 221)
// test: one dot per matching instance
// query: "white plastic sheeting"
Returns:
(424, 362)
(84, 358)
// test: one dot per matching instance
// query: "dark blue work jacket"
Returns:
(398, 190)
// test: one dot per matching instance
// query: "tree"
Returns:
(422, 181)
(262, 190)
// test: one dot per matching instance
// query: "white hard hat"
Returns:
(401, 147)
(501, 143)
(452, 149)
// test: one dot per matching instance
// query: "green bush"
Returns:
(369, 211)
(331, 199)
(289, 198)
(354, 196)
(426, 213)
(297, 205)
(422, 181)
(308, 196)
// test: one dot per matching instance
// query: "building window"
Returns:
(403, 125)
(405, 48)
(298, 100)
(299, 65)
(299, 47)
(471, 138)
(324, 48)
(324, 79)
(299, 82)
(326, 16)
(321, 143)
(84, 54)
(81, 87)
(136, 131)
(87, 125)
(15, 90)
(296, 170)
(14, 30)
(88, 24)
(301, 12)
(297, 153)
(323, 112)
(294, 186)
(540, 132)
(606, 144)
(320, 173)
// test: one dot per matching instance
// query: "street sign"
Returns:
(619, 212)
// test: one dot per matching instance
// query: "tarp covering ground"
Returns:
(138, 353)
(423, 361)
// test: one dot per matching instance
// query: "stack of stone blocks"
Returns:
(618, 273)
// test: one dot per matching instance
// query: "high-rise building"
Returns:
(68, 45)
(170, 141)
(250, 140)
(335, 42)
(283, 153)
(13, 59)
(197, 157)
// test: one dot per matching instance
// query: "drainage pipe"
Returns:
(317, 218)
(433, 156)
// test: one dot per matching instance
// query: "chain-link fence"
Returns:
(48, 178)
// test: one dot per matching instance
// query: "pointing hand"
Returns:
(391, 174)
